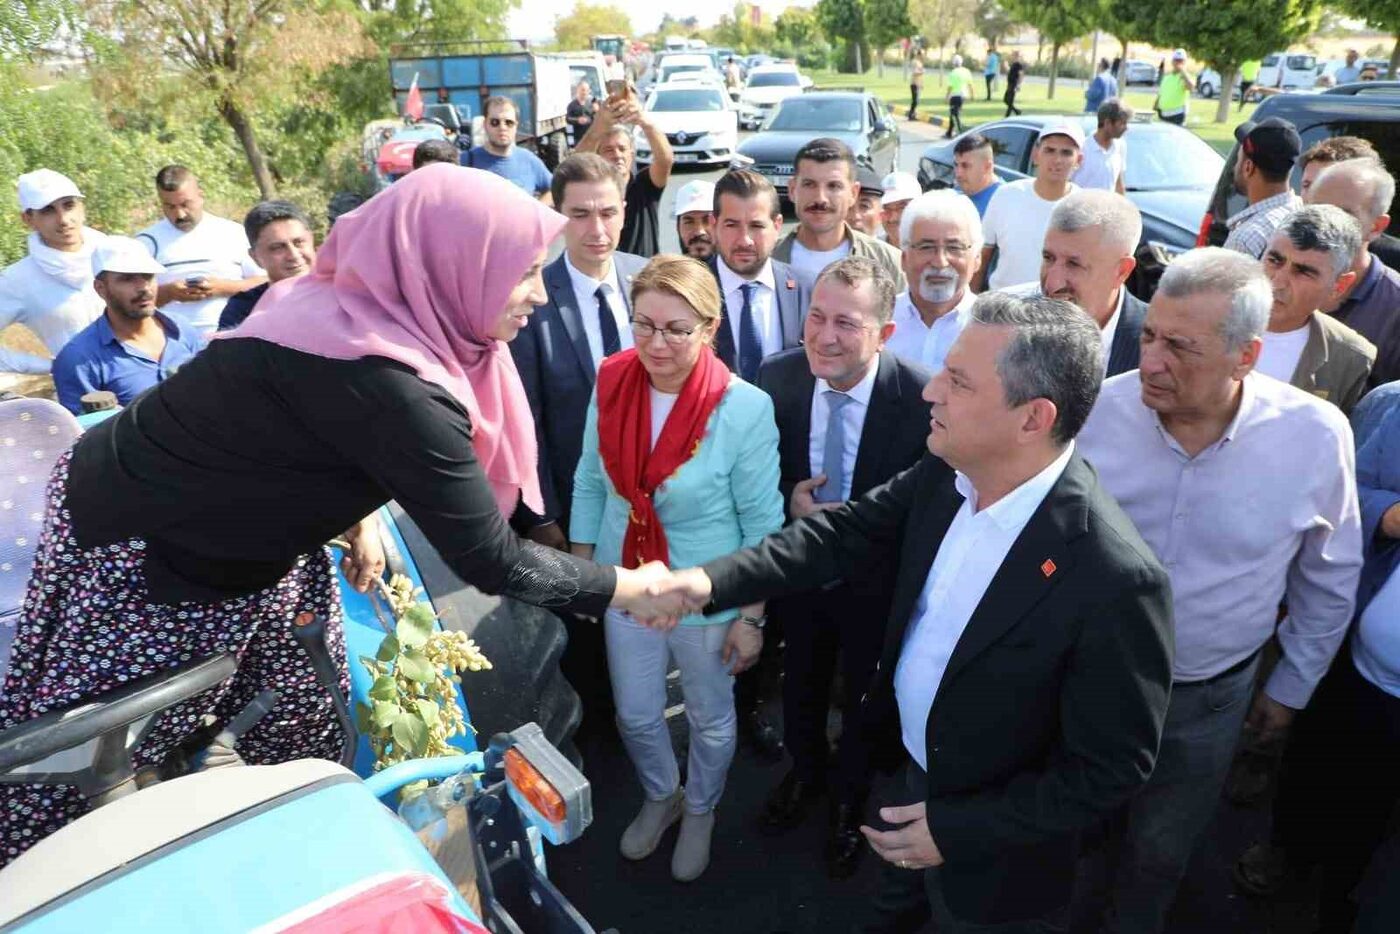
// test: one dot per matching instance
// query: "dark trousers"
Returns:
(955, 124)
(820, 627)
(1339, 785)
(1010, 99)
(906, 899)
(1244, 91)
(1178, 119)
(913, 100)
(991, 80)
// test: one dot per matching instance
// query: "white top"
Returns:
(1102, 167)
(812, 262)
(927, 344)
(216, 247)
(968, 558)
(764, 305)
(1376, 647)
(1015, 223)
(1281, 352)
(586, 294)
(1268, 512)
(50, 292)
(661, 405)
(852, 415)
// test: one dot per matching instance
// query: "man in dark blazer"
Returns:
(879, 428)
(764, 300)
(1028, 651)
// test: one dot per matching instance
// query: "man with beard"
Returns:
(695, 219)
(131, 347)
(205, 257)
(823, 188)
(49, 291)
(501, 156)
(943, 246)
(1263, 163)
(283, 244)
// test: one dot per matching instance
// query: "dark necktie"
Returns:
(750, 346)
(612, 341)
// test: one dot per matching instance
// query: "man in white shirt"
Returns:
(1309, 263)
(1013, 226)
(205, 257)
(897, 189)
(764, 299)
(1245, 490)
(50, 291)
(943, 247)
(1106, 151)
(1027, 654)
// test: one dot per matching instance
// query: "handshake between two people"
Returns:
(657, 597)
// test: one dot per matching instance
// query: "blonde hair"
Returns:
(687, 279)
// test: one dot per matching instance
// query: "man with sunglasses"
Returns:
(502, 156)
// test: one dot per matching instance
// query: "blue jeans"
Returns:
(1151, 848)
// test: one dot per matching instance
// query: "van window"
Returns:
(1301, 63)
(1270, 61)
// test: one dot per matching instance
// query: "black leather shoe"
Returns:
(760, 737)
(846, 844)
(788, 804)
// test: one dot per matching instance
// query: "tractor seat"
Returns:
(33, 434)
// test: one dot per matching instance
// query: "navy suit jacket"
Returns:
(794, 295)
(556, 368)
(1126, 349)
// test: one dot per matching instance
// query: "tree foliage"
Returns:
(391, 21)
(1382, 14)
(941, 22)
(26, 26)
(843, 24)
(1058, 22)
(992, 21)
(886, 21)
(586, 20)
(796, 26)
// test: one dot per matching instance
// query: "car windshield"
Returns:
(688, 100)
(669, 70)
(774, 79)
(829, 115)
(1160, 160)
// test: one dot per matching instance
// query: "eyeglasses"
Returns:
(501, 121)
(952, 250)
(643, 330)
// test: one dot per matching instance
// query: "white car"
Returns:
(698, 120)
(766, 87)
(681, 63)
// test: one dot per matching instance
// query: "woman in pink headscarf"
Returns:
(193, 522)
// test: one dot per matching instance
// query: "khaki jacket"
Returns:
(1335, 363)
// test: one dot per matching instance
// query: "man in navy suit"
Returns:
(586, 318)
(764, 300)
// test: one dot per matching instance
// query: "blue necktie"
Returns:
(750, 346)
(612, 341)
(834, 451)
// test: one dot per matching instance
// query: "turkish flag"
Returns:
(413, 106)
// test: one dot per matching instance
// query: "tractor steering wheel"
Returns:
(105, 764)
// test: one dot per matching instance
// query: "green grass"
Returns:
(1069, 98)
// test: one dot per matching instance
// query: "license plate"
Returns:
(687, 157)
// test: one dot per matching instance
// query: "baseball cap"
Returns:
(698, 195)
(870, 183)
(123, 254)
(1070, 128)
(900, 186)
(42, 187)
(1272, 144)
(1179, 55)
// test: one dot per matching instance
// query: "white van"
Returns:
(1291, 71)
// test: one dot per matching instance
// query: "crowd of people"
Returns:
(1062, 550)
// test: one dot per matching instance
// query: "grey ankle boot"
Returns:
(641, 837)
(692, 853)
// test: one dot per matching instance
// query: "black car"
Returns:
(857, 118)
(1171, 172)
(1370, 109)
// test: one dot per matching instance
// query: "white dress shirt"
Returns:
(968, 558)
(924, 344)
(1269, 511)
(764, 305)
(852, 414)
(586, 294)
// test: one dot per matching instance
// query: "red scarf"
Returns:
(635, 467)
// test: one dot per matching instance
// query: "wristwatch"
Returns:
(757, 622)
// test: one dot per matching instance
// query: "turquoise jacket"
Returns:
(724, 498)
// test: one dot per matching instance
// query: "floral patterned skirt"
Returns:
(88, 626)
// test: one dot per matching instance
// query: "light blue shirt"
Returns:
(968, 558)
(853, 418)
(923, 344)
(724, 498)
(993, 65)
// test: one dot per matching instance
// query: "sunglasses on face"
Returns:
(501, 121)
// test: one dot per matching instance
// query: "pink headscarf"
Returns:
(418, 274)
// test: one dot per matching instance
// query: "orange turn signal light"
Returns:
(533, 786)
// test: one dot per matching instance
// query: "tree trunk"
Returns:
(879, 62)
(1227, 94)
(1039, 47)
(243, 128)
(1054, 68)
(1395, 59)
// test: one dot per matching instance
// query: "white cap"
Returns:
(698, 195)
(1070, 128)
(957, 60)
(123, 254)
(1179, 55)
(900, 186)
(42, 187)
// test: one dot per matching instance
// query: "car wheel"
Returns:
(1207, 89)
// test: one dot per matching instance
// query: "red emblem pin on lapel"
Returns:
(791, 284)
(1048, 567)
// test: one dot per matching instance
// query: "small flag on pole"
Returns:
(413, 105)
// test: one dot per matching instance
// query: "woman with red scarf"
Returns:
(679, 465)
